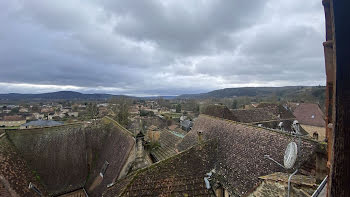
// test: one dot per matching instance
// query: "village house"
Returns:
(73, 114)
(134, 110)
(311, 119)
(12, 121)
(6, 111)
(23, 110)
(38, 116)
(66, 109)
(46, 110)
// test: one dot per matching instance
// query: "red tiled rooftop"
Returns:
(309, 114)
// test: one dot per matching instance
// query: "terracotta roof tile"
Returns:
(309, 114)
(220, 111)
(177, 176)
(242, 149)
(15, 175)
(167, 140)
(13, 118)
(235, 151)
(61, 155)
(263, 113)
(115, 149)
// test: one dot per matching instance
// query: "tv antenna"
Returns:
(290, 157)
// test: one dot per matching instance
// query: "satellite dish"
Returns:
(290, 155)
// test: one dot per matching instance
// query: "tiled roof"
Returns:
(253, 115)
(235, 151)
(172, 127)
(4, 191)
(180, 175)
(65, 156)
(115, 150)
(57, 154)
(309, 114)
(167, 140)
(240, 159)
(220, 111)
(264, 105)
(77, 193)
(13, 118)
(15, 175)
(259, 114)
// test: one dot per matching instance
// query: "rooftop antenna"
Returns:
(290, 157)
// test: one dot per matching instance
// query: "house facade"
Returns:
(12, 121)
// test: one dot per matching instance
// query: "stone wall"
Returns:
(321, 131)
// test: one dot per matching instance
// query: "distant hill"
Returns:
(61, 95)
(64, 95)
(297, 93)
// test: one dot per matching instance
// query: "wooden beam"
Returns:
(339, 182)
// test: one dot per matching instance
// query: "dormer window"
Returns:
(104, 169)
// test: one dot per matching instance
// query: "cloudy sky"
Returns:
(159, 47)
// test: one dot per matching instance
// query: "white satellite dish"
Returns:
(290, 155)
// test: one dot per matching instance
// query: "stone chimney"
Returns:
(140, 161)
(140, 138)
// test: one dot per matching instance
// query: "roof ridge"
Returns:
(248, 109)
(257, 127)
(272, 120)
(120, 126)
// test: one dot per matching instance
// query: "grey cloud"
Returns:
(184, 27)
(160, 47)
